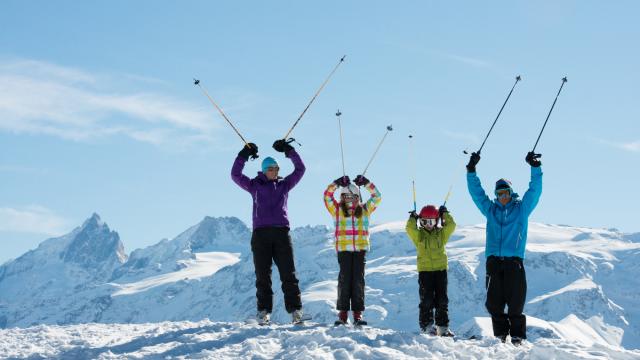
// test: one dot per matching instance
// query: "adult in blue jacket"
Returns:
(507, 225)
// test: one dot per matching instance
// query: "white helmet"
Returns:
(351, 190)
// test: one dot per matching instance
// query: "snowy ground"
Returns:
(217, 340)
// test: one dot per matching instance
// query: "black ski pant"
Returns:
(433, 295)
(506, 284)
(351, 280)
(274, 244)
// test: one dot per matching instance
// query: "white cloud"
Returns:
(633, 146)
(467, 138)
(33, 220)
(469, 61)
(41, 98)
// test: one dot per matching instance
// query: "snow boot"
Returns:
(297, 316)
(444, 331)
(502, 338)
(263, 317)
(357, 319)
(429, 330)
(516, 340)
(343, 316)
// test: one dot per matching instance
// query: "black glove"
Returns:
(360, 180)
(533, 159)
(282, 146)
(251, 150)
(473, 161)
(442, 209)
(413, 214)
(343, 181)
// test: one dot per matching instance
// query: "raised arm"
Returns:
(449, 226)
(236, 173)
(412, 230)
(375, 198)
(329, 201)
(477, 193)
(532, 196)
(249, 150)
(299, 169)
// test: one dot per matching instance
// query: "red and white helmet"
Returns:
(429, 212)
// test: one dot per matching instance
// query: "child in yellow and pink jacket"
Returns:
(351, 220)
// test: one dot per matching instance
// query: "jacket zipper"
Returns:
(353, 229)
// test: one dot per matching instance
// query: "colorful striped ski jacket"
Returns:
(352, 233)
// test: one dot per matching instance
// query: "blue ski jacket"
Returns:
(507, 225)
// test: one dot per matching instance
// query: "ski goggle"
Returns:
(503, 193)
(349, 197)
(428, 222)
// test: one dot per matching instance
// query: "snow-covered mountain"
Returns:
(582, 282)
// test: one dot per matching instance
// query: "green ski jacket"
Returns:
(430, 244)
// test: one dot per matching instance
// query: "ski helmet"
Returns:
(350, 190)
(429, 212)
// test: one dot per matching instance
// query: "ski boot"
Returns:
(444, 331)
(516, 340)
(263, 317)
(357, 319)
(429, 330)
(343, 316)
(297, 316)
(503, 338)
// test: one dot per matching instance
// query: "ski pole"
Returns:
(446, 198)
(518, 78)
(314, 97)
(564, 80)
(204, 91)
(413, 175)
(344, 173)
(389, 129)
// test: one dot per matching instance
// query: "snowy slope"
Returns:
(582, 285)
(217, 340)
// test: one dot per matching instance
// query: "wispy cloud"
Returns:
(42, 98)
(32, 219)
(469, 60)
(468, 138)
(633, 146)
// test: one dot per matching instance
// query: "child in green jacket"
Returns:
(430, 240)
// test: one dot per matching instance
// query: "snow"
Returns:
(234, 340)
(205, 264)
(582, 298)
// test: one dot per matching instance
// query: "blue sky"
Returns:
(98, 112)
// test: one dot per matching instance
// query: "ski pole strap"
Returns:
(564, 80)
(314, 96)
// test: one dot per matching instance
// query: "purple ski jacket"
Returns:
(269, 196)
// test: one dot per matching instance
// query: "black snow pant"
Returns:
(506, 284)
(274, 243)
(351, 280)
(433, 295)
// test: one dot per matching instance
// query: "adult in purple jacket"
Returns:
(270, 240)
